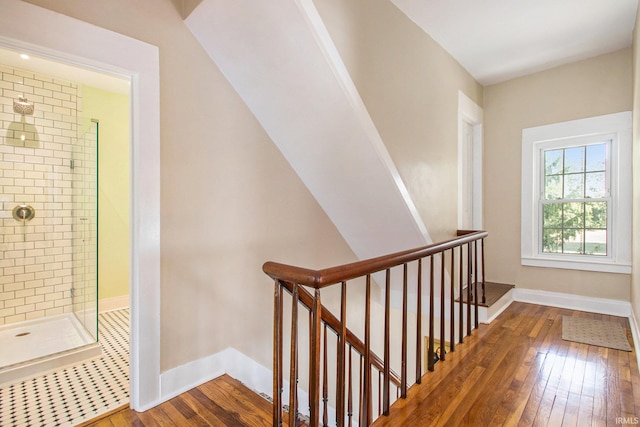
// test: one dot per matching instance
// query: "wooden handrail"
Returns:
(329, 276)
(305, 286)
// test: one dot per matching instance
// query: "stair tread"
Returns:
(493, 292)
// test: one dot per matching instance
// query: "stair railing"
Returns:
(462, 258)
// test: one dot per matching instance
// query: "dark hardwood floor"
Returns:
(515, 372)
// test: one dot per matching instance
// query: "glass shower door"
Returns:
(84, 169)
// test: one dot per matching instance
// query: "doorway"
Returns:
(53, 152)
(65, 40)
(470, 148)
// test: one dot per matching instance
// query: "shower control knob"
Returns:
(24, 213)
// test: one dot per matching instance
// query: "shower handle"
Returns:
(24, 213)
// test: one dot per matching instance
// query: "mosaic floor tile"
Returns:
(77, 393)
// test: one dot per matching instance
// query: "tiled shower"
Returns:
(48, 166)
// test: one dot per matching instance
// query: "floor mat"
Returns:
(594, 332)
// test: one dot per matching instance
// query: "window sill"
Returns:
(577, 264)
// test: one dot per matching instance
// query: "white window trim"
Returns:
(615, 127)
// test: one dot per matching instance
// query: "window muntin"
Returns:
(575, 203)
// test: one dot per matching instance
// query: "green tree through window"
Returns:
(575, 200)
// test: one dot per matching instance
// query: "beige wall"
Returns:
(409, 85)
(112, 111)
(588, 88)
(229, 199)
(635, 278)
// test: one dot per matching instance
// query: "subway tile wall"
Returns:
(41, 157)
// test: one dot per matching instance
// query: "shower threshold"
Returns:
(38, 346)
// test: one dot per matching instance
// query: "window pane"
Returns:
(595, 242)
(553, 162)
(573, 215)
(596, 215)
(553, 187)
(574, 186)
(552, 241)
(595, 185)
(596, 157)
(552, 215)
(574, 160)
(573, 227)
(572, 241)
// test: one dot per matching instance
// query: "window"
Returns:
(576, 194)
(575, 200)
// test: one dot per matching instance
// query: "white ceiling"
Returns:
(64, 71)
(496, 40)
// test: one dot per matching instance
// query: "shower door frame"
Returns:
(123, 56)
(85, 222)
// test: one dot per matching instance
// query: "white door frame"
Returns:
(48, 34)
(469, 113)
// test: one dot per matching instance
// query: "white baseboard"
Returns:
(573, 302)
(229, 361)
(635, 332)
(233, 363)
(115, 303)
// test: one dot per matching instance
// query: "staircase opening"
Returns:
(346, 357)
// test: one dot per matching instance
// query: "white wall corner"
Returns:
(185, 377)
(573, 302)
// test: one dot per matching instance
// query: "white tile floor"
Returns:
(78, 393)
